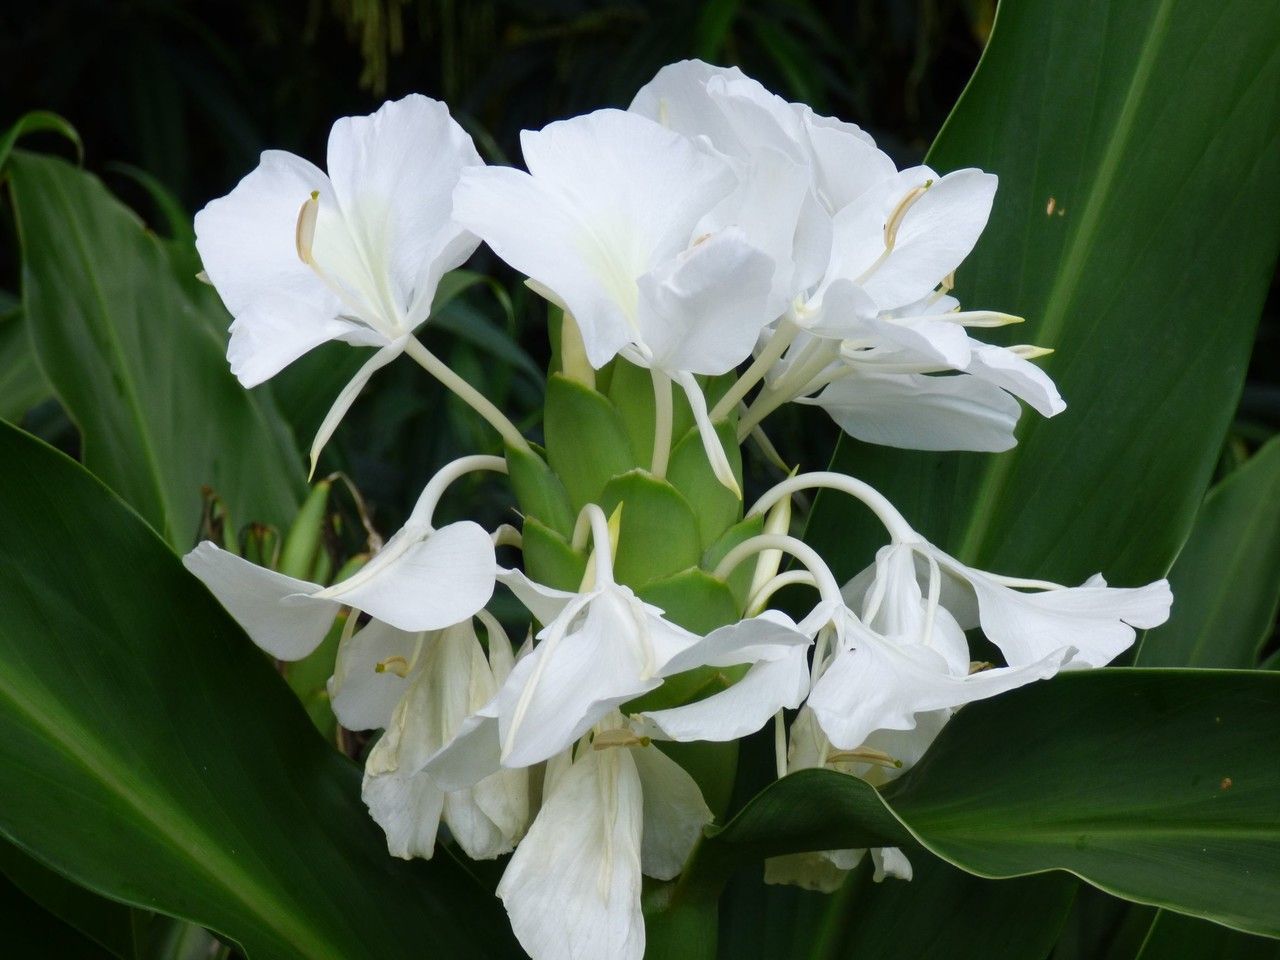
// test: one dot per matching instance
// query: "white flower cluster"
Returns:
(709, 227)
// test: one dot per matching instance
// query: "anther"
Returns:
(304, 233)
(397, 665)
(1028, 351)
(865, 755)
(900, 211)
(606, 739)
(977, 666)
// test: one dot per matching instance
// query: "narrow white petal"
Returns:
(674, 813)
(1097, 620)
(437, 581)
(677, 98)
(572, 889)
(266, 604)
(767, 687)
(347, 396)
(711, 443)
(543, 602)
(917, 412)
(408, 809)
(371, 674)
(770, 636)
(890, 862)
(1019, 376)
(474, 753)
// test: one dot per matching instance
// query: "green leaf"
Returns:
(549, 558)
(587, 443)
(137, 365)
(1146, 278)
(105, 922)
(22, 384)
(32, 933)
(1175, 937)
(692, 598)
(39, 121)
(659, 532)
(689, 471)
(150, 753)
(1226, 581)
(1180, 806)
(538, 491)
(740, 578)
(631, 391)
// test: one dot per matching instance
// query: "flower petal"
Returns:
(271, 607)
(434, 581)
(393, 173)
(674, 813)
(363, 696)
(348, 395)
(543, 602)
(1018, 375)
(918, 412)
(572, 888)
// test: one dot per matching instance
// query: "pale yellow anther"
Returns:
(977, 666)
(397, 665)
(304, 233)
(900, 211)
(607, 739)
(865, 755)
(1029, 351)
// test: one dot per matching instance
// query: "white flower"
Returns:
(606, 224)
(572, 889)
(301, 257)
(442, 680)
(777, 650)
(423, 579)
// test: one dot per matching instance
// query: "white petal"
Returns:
(503, 799)
(582, 670)
(847, 162)
(745, 707)
(677, 98)
(543, 602)
(917, 412)
(936, 234)
(1018, 375)
(265, 603)
(674, 813)
(611, 196)
(572, 889)
(408, 810)
(810, 871)
(702, 311)
(770, 636)
(247, 245)
(876, 684)
(474, 753)
(923, 338)
(1096, 619)
(393, 173)
(363, 696)
(348, 395)
(712, 446)
(890, 862)
(432, 582)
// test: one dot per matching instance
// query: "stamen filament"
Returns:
(770, 354)
(888, 515)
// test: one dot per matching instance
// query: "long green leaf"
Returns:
(22, 385)
(150, 753)
(1158, 786)
(1174, 937)
(1152, 125)
(1226, 580)
(136, 362)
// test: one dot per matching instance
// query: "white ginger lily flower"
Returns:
(438, 679)
(422, 579)
(880, 389)
(301, 257)
(618, 811)
(605, 223)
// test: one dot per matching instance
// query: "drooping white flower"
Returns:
(423, 579)
(445, 678)
(301, 257)
(606, 223)
(572, 888)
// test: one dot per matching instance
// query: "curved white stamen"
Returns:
(760, 599)
(885, 511)
(823, 578)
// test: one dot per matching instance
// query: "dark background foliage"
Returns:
(190, 92)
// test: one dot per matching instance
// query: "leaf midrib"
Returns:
(203, 853)
(996, 470)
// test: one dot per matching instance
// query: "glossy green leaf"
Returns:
(1175, 937)
(1145, 277)
(1226, 581)
(631, 392)
(136, 364)
(149, 752)
(22, 384)
(586, 440)
(740, 578)
(33, 933)
(549, 558)
(39, 121)
(1180, 806)
(658, 535)
(539, 492)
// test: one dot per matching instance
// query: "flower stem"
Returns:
(466, 393)
(824, 579)
(885, 511)
(663, 416)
